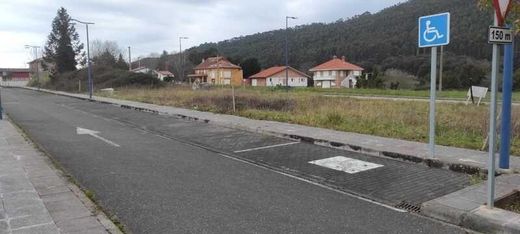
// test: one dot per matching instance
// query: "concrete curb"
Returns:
(468, 167)
(467, 207)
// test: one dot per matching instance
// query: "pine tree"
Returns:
(121, 63)
(63, 45)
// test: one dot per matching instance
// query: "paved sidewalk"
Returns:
(467, 208)
(36, 198)
(457, 159)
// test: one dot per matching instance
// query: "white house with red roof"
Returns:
(162, 74)
(336, 73)
(274, 76)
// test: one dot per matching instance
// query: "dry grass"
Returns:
(457, 124)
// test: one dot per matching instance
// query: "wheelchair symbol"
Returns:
(431, 33)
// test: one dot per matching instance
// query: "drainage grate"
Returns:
(409, 207)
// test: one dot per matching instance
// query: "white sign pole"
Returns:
(492, 126)
(433, 92)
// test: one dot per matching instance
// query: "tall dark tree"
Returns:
(105, 59)
(250, 67)
(163, 63)
(63, 46)
(121, 63)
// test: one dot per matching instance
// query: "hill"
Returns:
(378, 42)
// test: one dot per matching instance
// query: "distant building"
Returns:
(162, 74)
(143, 70)
(276, 76)
(15, 74)
(36, 68)
(336, 73)
(217, 70)
(158, 74)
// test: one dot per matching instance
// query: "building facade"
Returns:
(277, 76)
(218, 71)
(336, 73)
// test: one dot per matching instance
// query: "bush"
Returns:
(103, 77)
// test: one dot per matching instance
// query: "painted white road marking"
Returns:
(316, 184)
(348, 165)
(266, 147)
(84, 131)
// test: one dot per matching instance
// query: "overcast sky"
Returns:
(155, 25)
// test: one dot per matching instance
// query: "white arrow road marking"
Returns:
(84, 131)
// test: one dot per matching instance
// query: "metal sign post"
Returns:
(434, 31)
(496, 36)
(492, 126)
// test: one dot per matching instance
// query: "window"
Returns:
(227, 74)
(321, 73)
(330, 73)
(333, 73)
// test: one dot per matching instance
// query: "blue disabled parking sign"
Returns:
(434, 30)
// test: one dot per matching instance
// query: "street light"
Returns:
(35, 51)
(181, 73)
(287, 50)
(89, 69)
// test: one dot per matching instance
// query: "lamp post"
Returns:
(35, 51)
(287, 49)
(89, 69)
(181, 58)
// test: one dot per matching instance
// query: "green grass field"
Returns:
(457, 124)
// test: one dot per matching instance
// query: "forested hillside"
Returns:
(379, 41)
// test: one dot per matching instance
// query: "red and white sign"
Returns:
(502, 7)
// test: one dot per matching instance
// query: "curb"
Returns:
(467, 207)
(71, 184)
(466, 168)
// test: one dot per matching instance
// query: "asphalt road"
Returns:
(160, 174)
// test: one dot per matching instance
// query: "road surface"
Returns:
(160, 174)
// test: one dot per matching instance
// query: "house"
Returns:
(277, 76)
(143, 70)
(217, 70)
(36, 68)
(336, 73)
(162, 74)
(15, 74)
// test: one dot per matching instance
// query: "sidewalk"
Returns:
(36, 198)
(467, 207)
(452, 158)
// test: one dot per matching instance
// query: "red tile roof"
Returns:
(336, 64)
(274, 70)
(165, 73)
(216, 62)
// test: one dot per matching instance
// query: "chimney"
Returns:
(343, 58)
(334, 57)
(203, 60)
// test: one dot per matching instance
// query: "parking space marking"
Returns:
(348, 165)
(266, 147)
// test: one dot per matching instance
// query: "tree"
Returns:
(98, 47)
(163, 63)
(121, 63)
(63, 46)
(250, 67)
(105, 59)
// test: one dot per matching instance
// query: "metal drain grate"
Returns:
(409, 207)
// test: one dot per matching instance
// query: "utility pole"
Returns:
(440, 69)
(287, 49)
(89, 70)
(35, 51)
(181, 59)
(129, 59)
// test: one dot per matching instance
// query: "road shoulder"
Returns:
(38, 197)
